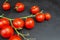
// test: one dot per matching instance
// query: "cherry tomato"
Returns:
(19, 7)
(18, 23)
(6, 6)
(7, 32)
(47, 16)
(34, 9)
(4, 22)
(15, 37)
(40, 17)
(29, 23)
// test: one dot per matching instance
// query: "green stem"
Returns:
(2, 16)
(6, 17)
(26, 34)
(27, 16)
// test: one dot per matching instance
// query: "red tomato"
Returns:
(34, 9)
(15, 37)
(7, 32)
(6, 6)
(19, 7)
(4, 22)
(47, 16)
(18, 23)
(40, 17)
(29, 23)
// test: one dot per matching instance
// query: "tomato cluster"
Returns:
(8, 25)
(7, 30)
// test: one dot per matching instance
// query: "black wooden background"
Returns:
(48, 30)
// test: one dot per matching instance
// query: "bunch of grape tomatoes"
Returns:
(8, 25)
